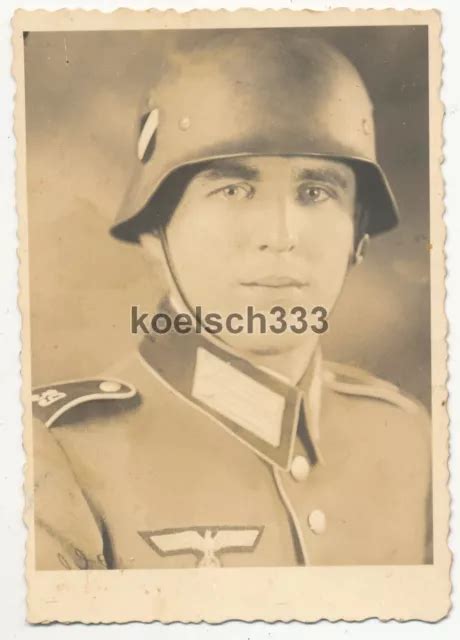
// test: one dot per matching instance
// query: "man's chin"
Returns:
(264, 345)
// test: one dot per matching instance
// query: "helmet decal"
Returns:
(147, 132)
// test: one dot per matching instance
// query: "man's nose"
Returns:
(277, 232)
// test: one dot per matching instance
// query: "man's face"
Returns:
(266, 232)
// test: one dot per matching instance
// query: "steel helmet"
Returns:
(255, 92)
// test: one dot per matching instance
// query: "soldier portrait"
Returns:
(229, 246)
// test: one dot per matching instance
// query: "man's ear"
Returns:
(361, 249)
(151, 246)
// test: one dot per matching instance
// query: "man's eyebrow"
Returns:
(322, 175)
(230, 169)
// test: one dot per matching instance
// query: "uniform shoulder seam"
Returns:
(349, 380)
(50, 402)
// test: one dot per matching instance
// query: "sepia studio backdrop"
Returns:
(83, 91)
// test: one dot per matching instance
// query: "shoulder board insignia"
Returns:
(52, 401)
(354, 381)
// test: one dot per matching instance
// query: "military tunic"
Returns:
(186, 455)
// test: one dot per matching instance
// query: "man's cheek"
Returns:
(328, 280)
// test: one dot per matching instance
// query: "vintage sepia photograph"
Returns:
(233, 308)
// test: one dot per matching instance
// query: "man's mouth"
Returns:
(276, 282)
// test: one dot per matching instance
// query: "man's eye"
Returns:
(235, 192)
(310, 194)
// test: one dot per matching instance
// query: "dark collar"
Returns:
(258, 407)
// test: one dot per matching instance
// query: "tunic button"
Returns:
(300, 468)
(317, 521)
(110, 386)
(184, 123)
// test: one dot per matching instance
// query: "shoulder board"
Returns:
(354, 381)
(52, 401)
